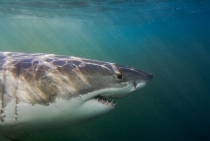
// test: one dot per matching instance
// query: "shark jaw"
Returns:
(102, 101)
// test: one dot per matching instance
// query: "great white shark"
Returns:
(45, 91)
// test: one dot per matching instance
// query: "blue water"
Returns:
(170, 39)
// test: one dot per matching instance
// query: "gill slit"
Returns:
(2, 96)
(16, 97)
(16, 102)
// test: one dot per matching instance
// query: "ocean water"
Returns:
(169, 38)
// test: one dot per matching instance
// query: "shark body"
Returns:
(45, 91)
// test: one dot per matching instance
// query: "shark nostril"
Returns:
(134, 84)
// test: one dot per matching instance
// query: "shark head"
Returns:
(109, 82)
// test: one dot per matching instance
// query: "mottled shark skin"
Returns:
(45, 91)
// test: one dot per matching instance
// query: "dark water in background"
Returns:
(169, 38)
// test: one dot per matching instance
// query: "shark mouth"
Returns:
(105, 101)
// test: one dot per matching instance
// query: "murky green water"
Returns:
(171, 39)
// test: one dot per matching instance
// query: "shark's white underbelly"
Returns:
(35, 118)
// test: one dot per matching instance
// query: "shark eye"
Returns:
(119, 76)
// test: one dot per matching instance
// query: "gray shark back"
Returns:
(41, 78)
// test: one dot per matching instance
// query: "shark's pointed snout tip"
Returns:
(146, 76)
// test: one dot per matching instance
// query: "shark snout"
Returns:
(135, 75)
(142, 76)
(148, 77)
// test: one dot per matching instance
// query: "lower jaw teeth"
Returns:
(106, 102)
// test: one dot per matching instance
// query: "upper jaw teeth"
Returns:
(125, 83)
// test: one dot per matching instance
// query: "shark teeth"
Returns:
(105, 101)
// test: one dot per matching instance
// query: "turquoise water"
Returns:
(170, 39)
